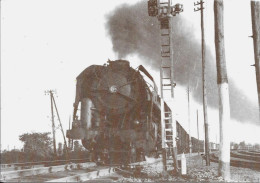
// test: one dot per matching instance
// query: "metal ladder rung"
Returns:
(168, 130)
(168, 140)
(165, 45)
(167, 84)
(164, 67)
(164, 3)
(165, 56)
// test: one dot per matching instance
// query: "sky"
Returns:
(45, 44)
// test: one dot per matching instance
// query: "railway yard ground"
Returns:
(196, 172)
(148, 171)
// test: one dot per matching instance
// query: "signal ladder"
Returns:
(167, 88)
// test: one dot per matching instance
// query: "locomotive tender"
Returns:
(119, 113)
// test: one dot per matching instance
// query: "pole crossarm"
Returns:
(198, 8)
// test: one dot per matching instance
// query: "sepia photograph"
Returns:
(130, 91)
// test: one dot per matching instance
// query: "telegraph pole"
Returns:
(50, 92)
(188, 91)
(198, 132)
(65, 142)
(255, 12)
(69, 138)
(222, 81)
(204, 81)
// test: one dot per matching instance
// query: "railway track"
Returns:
(62, 173)
(241, 159)
(76, 172)
(28, 165)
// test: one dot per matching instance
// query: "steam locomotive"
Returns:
(119, 113)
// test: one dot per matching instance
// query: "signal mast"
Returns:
(164, 11)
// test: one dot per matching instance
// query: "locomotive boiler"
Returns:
(117, 114)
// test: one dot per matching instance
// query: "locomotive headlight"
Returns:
(113, 89)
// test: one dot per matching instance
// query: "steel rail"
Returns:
(39, 162)
(43, 170)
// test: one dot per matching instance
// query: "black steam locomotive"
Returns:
(119, 113)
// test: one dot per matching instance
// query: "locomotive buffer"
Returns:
(164, 11)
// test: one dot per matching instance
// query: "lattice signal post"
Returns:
(164, 11)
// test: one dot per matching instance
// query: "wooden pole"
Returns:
(204, 88)
(190, 149)
(255, 12)
(64, 138)
(69, 138)
(222, 81)
(53, 125)
(198, 132)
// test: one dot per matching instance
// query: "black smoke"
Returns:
(132, 31)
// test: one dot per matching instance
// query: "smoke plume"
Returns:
(132, 31)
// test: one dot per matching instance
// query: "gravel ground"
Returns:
(196, 172)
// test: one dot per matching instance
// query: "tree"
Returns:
(235, 146)
(37, 144)
(60, 150)
(242, 145)
(257, 146)
(64, 148)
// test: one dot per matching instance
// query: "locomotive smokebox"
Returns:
(117, 88)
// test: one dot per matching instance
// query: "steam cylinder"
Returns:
(86, 115)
